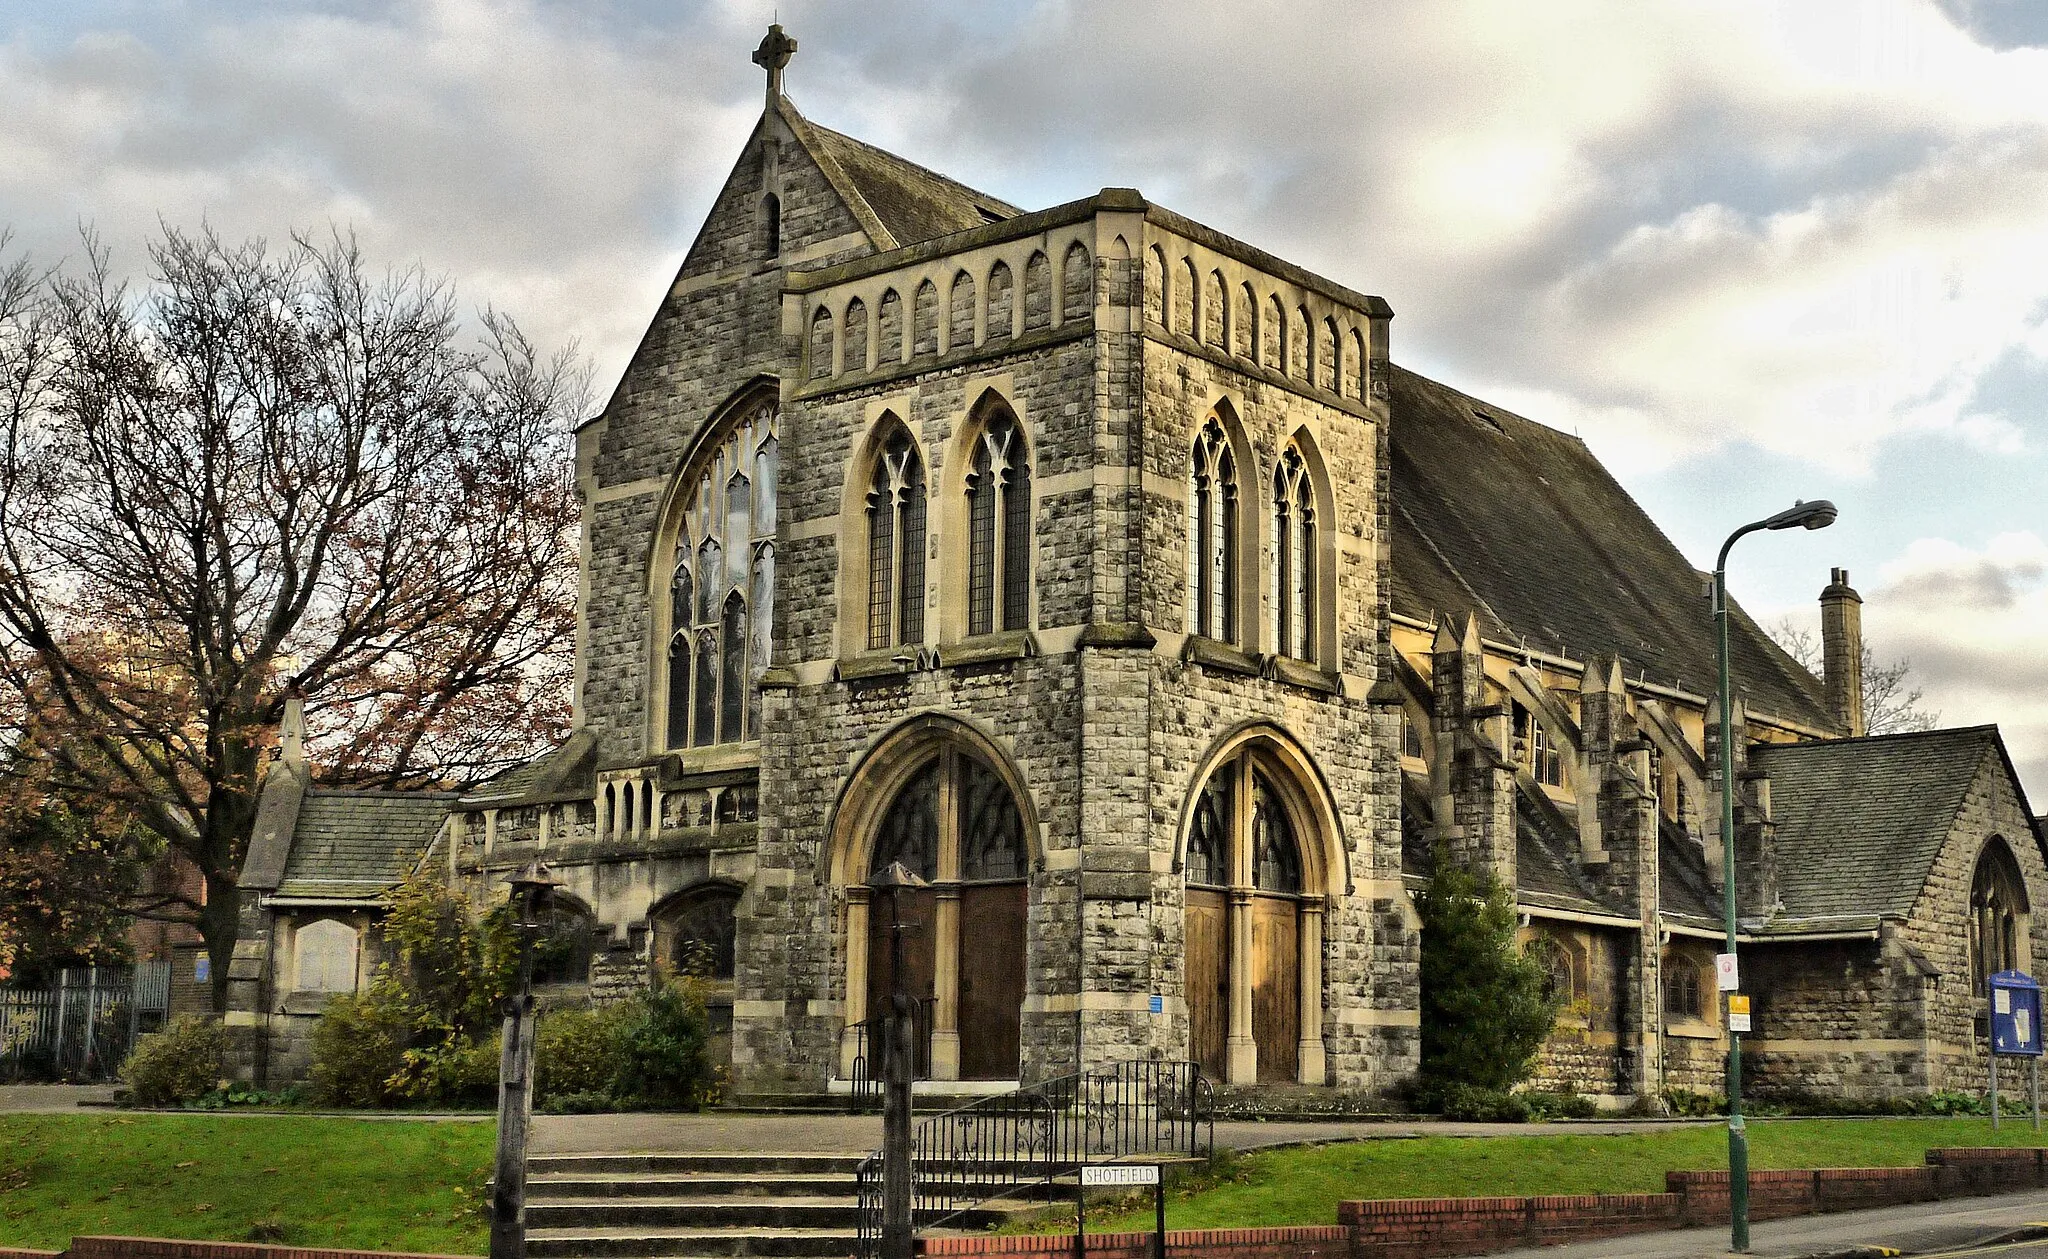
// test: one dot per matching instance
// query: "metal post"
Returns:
(898, 1224)
(1738, 1138)
(1080, 1215)
(1994, 1086)
(530, 892)
(1159, 1216)
(2034, 1087)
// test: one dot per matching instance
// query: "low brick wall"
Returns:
(17, 1252)
(1398, 1228)
(1206, 1243)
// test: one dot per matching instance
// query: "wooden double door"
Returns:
(955, 825)
(1274, 925)
(1244, 870)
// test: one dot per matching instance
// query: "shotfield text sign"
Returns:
(1123, 1174)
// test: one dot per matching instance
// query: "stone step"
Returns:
(561, 1185)
(629, 1243)
(664, 1214)
(685, 1164)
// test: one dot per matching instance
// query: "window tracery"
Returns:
(1294, 554)
(1998, 915)
(999, 529)
(721, 588)
(896, 543)
(1212, 534)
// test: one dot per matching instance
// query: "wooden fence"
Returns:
(82, 1026)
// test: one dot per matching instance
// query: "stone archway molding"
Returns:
(1304, 790)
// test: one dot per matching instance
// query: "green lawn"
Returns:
(1304, 1186)
(372, 1184)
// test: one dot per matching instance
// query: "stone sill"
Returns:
(1213, 653)
(1303, 674)
(995, 648)
(884, 665)
(1695, 1029)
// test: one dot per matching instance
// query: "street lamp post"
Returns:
(532, 891)
(1818, 514)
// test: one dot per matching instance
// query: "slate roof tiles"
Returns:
(359, 844)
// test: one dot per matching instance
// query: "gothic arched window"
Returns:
(1208, 862)
(896, 542)
(722, 588)
(1212, 536)
(1276, 859)
(1294, 554)
(999, 529)
(1998, 915)
(1683, 991)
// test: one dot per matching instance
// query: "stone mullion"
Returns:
(946, 927)
(1310, 1054)
(1243, 1066)
(856, 1001)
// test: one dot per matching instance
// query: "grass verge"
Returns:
(1304, 1185)
(383, 1184)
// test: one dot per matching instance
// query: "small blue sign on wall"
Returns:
(2015, 1014)
(202, 969)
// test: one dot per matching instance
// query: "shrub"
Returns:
(1472, 1104)
(359, 1047)
(452, 1072)
(661, 1047)
(1559, 1106)
(576, 1053)
(1484, 1009)
(179, 1064)
(1687, 1104)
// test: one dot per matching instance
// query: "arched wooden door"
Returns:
(955, 824)
(1245, 933)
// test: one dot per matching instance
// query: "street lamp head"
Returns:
(1818, 514)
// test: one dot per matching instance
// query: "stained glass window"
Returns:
(1212, 530)
(1294, 555)
(715, 661)
(1208, 861)
(910, 830)
(991, 832)
(1276, 861)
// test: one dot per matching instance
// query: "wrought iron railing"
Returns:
(1023, 1140)
(82, 1024)
(866, 1078)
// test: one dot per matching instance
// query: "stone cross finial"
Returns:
(773, 54)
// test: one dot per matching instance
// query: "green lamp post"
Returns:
(1818, 514)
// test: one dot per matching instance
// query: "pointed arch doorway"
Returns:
(1253, 923)
(944, 810)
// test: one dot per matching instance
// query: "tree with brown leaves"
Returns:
(270, 470)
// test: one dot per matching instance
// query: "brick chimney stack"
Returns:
(1841, 642)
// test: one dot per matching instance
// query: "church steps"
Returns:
(781, 1243)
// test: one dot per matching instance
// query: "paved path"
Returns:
(846, 1134)
(1922, 1228)
(31, 1098)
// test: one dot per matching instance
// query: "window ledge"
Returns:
(1213, 653)
(988, 648)
(886, 665)
(1692, 1029)
(308, 1001)
(1303, 674)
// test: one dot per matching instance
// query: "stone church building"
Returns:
(1107, 573)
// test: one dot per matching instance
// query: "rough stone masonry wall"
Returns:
(719, 327)
(790, 987)
(1580, 1056)
(1370, 1031)
(1834, 1018)
(1939, 924)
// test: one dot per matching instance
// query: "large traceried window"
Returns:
(999, 529)
(1998, 915)
(722, 589)
(896, 541)
(1212, 536)
(1294, 555)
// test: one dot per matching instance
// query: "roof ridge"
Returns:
(842, 183)
(1981, 729)
(995, 203)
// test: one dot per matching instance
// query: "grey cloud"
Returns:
(2000, 23)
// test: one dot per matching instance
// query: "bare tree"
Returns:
(1891, 704)
(271, 471)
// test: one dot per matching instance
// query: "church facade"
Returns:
(1104, 573)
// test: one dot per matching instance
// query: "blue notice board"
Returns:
(2015, 1014)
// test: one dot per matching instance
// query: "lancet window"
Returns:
(1998, 915)
(1294, 554)
(999, 529)
(722, 589)
(896, 543)
(1212, 536)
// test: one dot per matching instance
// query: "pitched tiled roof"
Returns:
(358, 844)
(1547, 869)
(1500, 516)
(911, 203)
(1859, 821)
(1683, 888)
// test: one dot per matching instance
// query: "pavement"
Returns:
(45, 1098)
(2009, 1224)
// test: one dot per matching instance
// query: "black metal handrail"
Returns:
(865, 1080)
(1025, 1139)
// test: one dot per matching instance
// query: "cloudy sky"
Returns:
(1751, 252)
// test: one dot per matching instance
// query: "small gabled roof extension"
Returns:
(907, 202)
(1860, 821)
(1501, 517)
(358, 845)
